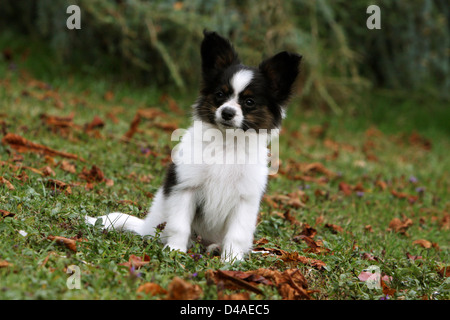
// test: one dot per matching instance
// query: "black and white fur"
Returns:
(220, 202)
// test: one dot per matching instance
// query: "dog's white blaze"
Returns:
(240, 80)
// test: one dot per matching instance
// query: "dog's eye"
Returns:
(249, 102)
(219, 94)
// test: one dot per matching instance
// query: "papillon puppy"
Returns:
(217, 196)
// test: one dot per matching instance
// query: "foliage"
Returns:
(157, 41)
(355, 191)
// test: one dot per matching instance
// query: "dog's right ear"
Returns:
(217, 55)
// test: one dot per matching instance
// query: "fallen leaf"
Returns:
(135, 262)
(297, 258)
(416, 139)
(180, 289)
(308, 231)
(94, 124)
(413, 258)
(5, 213)
(8, 184)
(68, 243)
(235, 280)
(345, 188)
(400, 226)
(4, 264)
(444, 271)
(59, 185)
(234, 296)
(334, 228)
(67, 166)
(108, 96)
(423, 243)
(386, 289)
(314, 246)
(151, 288)
(291, 283)
(21, 144)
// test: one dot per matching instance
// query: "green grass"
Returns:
(35, 267)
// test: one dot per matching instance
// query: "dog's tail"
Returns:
(120, 222)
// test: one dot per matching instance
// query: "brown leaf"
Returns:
(4, 213)
(21, 144)
(108, 96)
(4, 264)
(94, 124)
(386, 289)
(6, 183)
(291, 283)
(67, 166)
(423, 243)
(135, 261)
(413, 258)
(445, 222)
(314, 246)
(47, 171)
(401, 195)
(308, 231)
(151, 288)
(334, 228)
(234, 296)
(444, 271)
(133, 127)
(345, 188)
(239, 280)
(416, 139)
(59, 185)
(68, 243)
(180, 289)
(400, 226)
(381, 184)
(295, 257)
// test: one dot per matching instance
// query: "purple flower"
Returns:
(420, 190)
(196, 256)
(360, 193)
(385, 297)
(413, 179)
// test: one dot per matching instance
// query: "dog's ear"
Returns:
(281, 70)
(217, 55)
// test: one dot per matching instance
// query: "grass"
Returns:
(379, 147)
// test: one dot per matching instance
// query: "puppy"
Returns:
(214, 186)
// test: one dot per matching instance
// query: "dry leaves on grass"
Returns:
(180, 289)
(94, 175)
(22, 145)
(68, 243)
(58, 185)
(291, 284)
(151, 288)
(135, 262)
(400, 226)
(5, 182)
(149, 114)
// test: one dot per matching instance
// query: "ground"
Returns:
(367, 190)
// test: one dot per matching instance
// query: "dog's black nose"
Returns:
(228, 113)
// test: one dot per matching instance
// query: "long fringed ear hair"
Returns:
(281, 70)
(217, 55)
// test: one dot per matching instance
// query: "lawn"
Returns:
(367, 190)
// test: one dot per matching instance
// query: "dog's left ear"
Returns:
(217, 55)
(281, 70)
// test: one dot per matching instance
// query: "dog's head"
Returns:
(236, 96)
